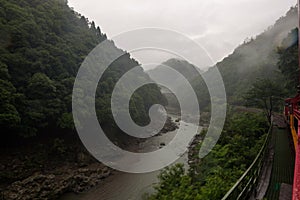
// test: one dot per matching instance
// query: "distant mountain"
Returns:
(189, 71)
(256, 58)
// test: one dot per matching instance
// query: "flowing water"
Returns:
(125, 186)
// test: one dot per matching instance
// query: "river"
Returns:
(125, 186)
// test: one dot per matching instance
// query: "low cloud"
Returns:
(218, 25)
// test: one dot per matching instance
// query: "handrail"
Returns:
(296, 139)
(296, 113)
(243, 188)
(296, 183)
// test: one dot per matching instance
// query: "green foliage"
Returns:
(59, 146)
(214, 175)
(289, 62)
(66, 121)
(255, 58)
(9, 116)
(250, 73)
(42, 46)
(266, 94)
(40, 87)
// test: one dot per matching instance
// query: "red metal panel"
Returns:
(297, 115)
(296, 184)
(291, 108)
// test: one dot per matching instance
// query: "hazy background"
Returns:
(217, 25)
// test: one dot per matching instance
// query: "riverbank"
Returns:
(52, 184)
(132, 186)
(47, 168)
(51, 168)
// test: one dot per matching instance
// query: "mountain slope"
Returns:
(42, 46)
(186, 69)
(255, 58)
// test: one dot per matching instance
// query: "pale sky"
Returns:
(218, 25)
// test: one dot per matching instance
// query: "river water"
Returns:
(125, 186)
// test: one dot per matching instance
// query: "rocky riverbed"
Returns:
(41, 172)
(53, 184)
(134, 186)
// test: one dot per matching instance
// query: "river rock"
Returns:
(51, 186)
(169, 126)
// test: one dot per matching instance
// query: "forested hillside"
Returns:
(42, 46)
(186, 69)
(256, 58)
(191, 74)
(243, 134)
(271, 57)
(211, 177)
(288, 62)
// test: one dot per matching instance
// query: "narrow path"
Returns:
(283, 166)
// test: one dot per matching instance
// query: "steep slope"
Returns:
(42, 46)
(255, 58)
(188, 70)
(274, 55)
(289, 61)
(191, 74)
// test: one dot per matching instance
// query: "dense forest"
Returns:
(241, 140)
(42, 46)
(255, 58)
(275, 70)
(288, 62)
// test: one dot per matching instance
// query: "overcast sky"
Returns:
(218, 25)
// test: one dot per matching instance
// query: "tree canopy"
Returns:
(266, 94)
(215, 174)
(42, 45)
(288, 62)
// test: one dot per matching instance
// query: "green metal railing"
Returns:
(247, 183)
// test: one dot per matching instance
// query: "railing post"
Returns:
(247, 182)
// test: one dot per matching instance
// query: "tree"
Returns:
(38, 68)
(212, 176)
(288, 62)
(266, 94)
(40, 87)
(9, 116)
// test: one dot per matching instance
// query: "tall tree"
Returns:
(266, 94)
(42, 45)
(288, 60)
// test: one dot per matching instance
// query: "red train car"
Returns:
(292, 114)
